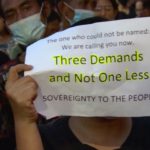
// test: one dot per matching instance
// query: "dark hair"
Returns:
(53, 16)
(123, 2)
(114, 4)
(3, 58)
(1, 10)
(40, 2)
(56, 2)
(146, 4)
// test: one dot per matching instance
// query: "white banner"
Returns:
(101, 69)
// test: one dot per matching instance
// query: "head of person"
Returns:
(16, 10)
(139, 8)
(107, 9)
(24, 19)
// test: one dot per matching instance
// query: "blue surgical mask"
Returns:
(28, 30)
(80, 14)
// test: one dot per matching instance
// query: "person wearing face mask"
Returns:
(24, 19)
(6, 40)
(72, 14)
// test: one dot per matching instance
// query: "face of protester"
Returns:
(15, 10)
(139, 8)
(90, 5)
(105, 9)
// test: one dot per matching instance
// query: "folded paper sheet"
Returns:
(101, 69)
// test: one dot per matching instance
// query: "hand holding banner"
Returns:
(100, 69)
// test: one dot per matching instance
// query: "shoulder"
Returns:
(57, 135)
(53, 133)
(53, 126)
(140, 134)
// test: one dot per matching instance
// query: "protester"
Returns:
(7, 43)
(24, 19)
(107, 9)
(64, 133)
(69, 133)
(72, 15)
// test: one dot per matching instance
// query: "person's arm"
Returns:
(21, 93)
(27, 136)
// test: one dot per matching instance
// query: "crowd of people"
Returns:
(23, 22)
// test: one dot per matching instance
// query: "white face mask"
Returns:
(28, 30)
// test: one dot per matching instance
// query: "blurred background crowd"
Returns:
(23, 22)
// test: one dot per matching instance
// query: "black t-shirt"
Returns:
(57, 136)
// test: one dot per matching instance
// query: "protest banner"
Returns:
(100, 69)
